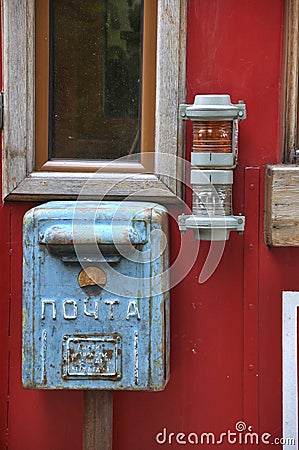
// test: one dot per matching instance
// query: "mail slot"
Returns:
(95, 296)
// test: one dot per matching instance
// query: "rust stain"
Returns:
(91, 276)
(169, 16)
(74, 357)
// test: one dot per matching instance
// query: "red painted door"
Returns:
(225, 333)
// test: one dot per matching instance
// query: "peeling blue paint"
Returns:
(114, 337)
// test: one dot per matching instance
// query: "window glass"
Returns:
(95, 78)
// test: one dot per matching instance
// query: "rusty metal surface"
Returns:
(111, 331)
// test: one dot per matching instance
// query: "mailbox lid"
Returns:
(95, 210)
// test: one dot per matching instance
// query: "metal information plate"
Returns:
(92, 356)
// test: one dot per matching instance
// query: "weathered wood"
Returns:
(282, 182)
(282, 206)
(18, 87)
(20, 182)
(81, 186)
(291, 81)
(170, 92)
(98, 420)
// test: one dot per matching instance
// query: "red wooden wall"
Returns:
(225, 333)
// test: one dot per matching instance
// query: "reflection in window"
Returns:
(95, 78)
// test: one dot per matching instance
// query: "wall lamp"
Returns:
(214, 156)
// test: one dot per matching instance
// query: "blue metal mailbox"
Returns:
(95, 296)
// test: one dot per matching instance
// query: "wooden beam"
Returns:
(291, 81)
(98, 420)
(282, 206)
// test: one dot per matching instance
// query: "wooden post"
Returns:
(98, 417)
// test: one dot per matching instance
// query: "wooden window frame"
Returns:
(282, 180)
(22, 182)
